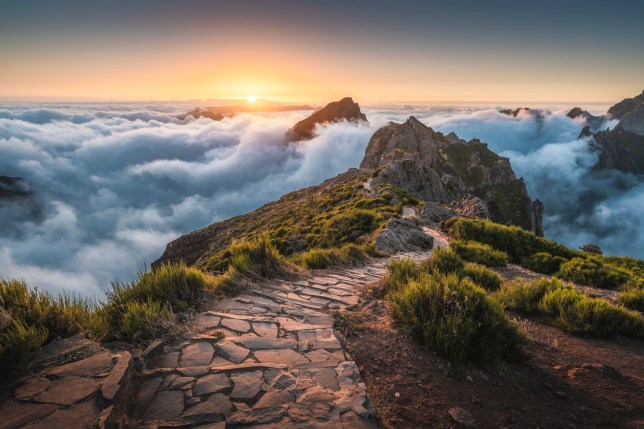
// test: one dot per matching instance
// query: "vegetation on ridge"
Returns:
(444, 309)
(548, 257)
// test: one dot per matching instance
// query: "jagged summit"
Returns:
(619, 110)
(621, 147)
(409, 140)
(447, 169)
(345, 109)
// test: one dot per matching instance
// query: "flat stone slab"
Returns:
(286, 356)
(256, 416)
(239, 317)
(247, 384)
(293, 325)
(82, 415)
(16, 415)
(249, 365)
(168, 360)
(236, 325)
(31, 388)
(166, 406)
(211, 410)
(58, 349)
(264, 343)
(274, 399)
(67, 391)
(231, 351)
(211, 383)
(305, 411)
(197, 354)
(89, 367)
(194, 371)
(207, 321)
(265, 329)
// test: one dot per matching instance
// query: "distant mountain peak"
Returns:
(344, 109)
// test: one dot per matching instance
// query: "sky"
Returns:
(450, 52)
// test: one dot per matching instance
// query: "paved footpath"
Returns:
(280, 364)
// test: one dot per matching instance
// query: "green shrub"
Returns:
(19, 345)
(257, 258)
(64, 315)
(633, 299)
(543, 262)
(525, 296)
(482, 276)
(178, 285)
(401, 272)
(479, 253)
(444, 261)
(456, 319)
(345, 255)
(571, 310)
(144, 321)
(576, 313)
(516, 242)
(591, 272)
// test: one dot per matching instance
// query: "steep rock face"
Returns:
(344, 109)
(627, 105)
(622, 148)
(445, 169)
(593, 122)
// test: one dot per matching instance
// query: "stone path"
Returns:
(279, 364)
(78, 384)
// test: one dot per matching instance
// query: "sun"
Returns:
(251, 98)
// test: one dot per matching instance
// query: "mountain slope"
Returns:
(403, 164)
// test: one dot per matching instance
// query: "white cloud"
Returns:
(114, 183)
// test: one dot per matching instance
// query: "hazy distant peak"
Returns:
(344, 109)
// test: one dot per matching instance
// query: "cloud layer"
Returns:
(113, 184)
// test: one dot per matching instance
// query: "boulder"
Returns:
(402, 235)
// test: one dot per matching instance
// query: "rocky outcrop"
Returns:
(344, 109)
(470, 206)
(619, 110)
(403, 235)
(633, 122)
(593, 122)
(449, 170)
(198, 112)
(621, 147)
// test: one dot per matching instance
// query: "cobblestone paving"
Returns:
(280, 364)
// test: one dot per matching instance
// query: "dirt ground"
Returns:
(568, 382)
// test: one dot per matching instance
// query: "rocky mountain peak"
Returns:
(396, 142)
(344, 109)
(619, 110)
(446, 169)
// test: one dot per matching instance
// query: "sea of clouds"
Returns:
(113, 184)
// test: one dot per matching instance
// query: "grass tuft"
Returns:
(633, 299)
(543, 262)
(482, 276)
(592, 272)
(566, 307)
(479, 253)
(456, 319)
